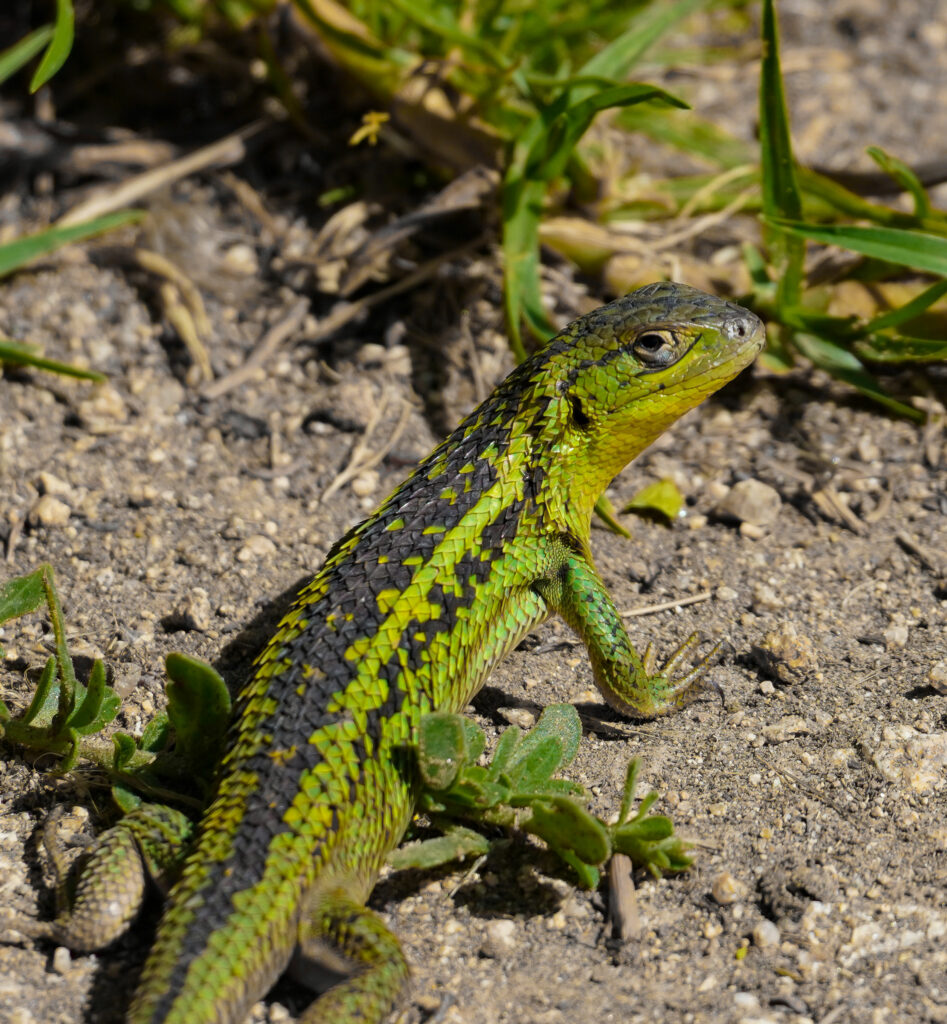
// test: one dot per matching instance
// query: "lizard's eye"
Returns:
(656, 348)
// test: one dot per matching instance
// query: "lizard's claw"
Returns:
(681, 690)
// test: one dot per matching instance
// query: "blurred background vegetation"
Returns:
(517, 115)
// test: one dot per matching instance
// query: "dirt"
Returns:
(815, 792)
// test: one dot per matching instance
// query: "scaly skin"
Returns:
(411, 611)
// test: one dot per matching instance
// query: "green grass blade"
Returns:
(22, 52)
(899, 348)
(18, 253)
(781, 196)
(894, 245)
(903, 314)
(847, 367)
(616, 59)
(59, 46)
(904, 176)
(24, 355)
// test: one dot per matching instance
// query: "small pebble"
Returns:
(937, 677)
(62, 960)
(49, 483)
(787, 654)
(500, 939)
(193, 613)
(365, 484)
(765, 934)
(256, 546)
(241, 260)
(752, 502)
(522, 717)
(105, 403)
(766, 599)
(788, 727)
(896, 635)
(726, 889)
(49, 511)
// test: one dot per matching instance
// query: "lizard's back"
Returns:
(410, 612)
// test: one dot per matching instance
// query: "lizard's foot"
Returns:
(670, 691)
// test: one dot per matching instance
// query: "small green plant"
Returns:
(175, 755)
(518, 789)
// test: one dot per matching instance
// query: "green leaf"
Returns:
(649, 829)
(457, 844)
(532, 770)
(474, 739)
(125, 750)
(156, 734)
(662, 497)
(71, 737)
(19, 252)
(59, 46)
(605, 510)
(539, 156)
(45, 700)
(22, 52)
(22, 595)
(895, 245)
(126, 799)
(566, 825)
(474, 792)
(559, 722)
(68, 686)
(645, 806)
(98, 705)
(198, 710)
(589, 875)
(506, 747)
(620, 55)
(631, 784)
(19, 354)
(442, 749)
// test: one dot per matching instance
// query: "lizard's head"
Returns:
(614, 379)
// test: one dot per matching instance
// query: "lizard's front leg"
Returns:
(628, 681)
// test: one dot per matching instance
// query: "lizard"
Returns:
(412, 609)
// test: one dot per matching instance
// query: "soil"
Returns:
(815, 793)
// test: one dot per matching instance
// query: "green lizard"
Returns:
(411, 611)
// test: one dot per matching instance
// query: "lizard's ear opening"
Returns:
(579, 417)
